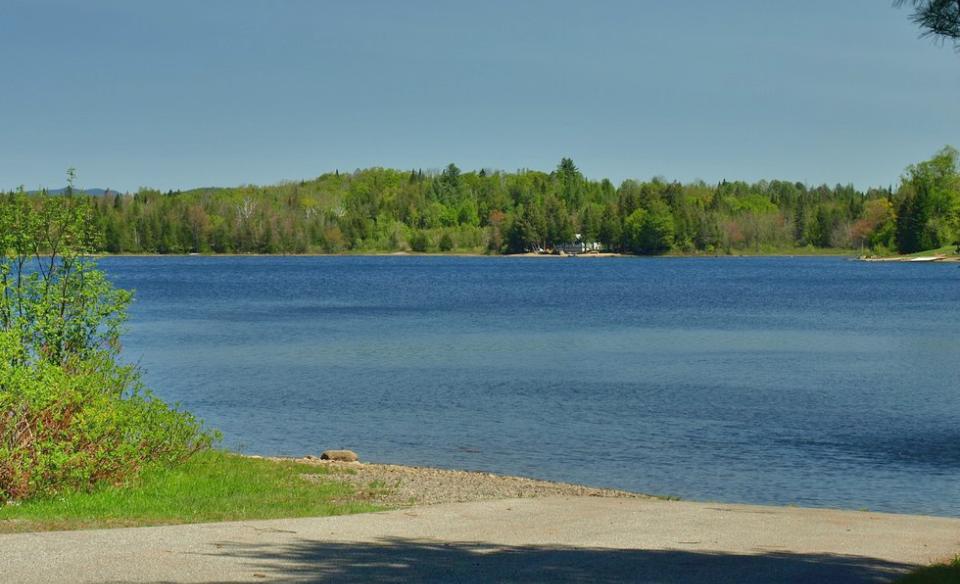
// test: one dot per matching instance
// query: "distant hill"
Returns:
(488, 211)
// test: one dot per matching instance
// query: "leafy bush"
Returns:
(419, 241)
(71, 415)
(446, 242)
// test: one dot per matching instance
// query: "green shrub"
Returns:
(71, 415)
(419, 241)
(446, 242)
(67, 427)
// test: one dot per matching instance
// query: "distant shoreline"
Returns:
(847, 254)
(850, 254)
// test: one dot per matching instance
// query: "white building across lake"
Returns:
(579, 245)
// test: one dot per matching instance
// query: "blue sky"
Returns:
(179, 94)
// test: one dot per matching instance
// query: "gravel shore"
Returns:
(398, 486)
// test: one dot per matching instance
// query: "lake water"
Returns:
(816, 382)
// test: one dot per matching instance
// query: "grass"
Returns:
(947, 250)
(213, 486)
(946, 573)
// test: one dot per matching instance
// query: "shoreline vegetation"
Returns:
(72, 415)
(492, 212)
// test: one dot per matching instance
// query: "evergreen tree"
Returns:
(800, 222)
(939, 19)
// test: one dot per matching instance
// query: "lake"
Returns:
(808, 381)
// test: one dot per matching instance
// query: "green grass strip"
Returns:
(213, 486)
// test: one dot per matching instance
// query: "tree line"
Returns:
(382, 210)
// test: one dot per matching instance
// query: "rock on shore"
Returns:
(339, 455)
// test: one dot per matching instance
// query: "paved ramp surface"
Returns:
(569, 539)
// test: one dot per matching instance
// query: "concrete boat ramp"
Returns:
(553, 539)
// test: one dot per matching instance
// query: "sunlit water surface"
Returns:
(818, 382)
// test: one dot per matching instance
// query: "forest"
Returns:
(496, 212)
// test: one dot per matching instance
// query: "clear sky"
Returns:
(178, 94)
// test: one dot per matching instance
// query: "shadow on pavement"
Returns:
(405, 560)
